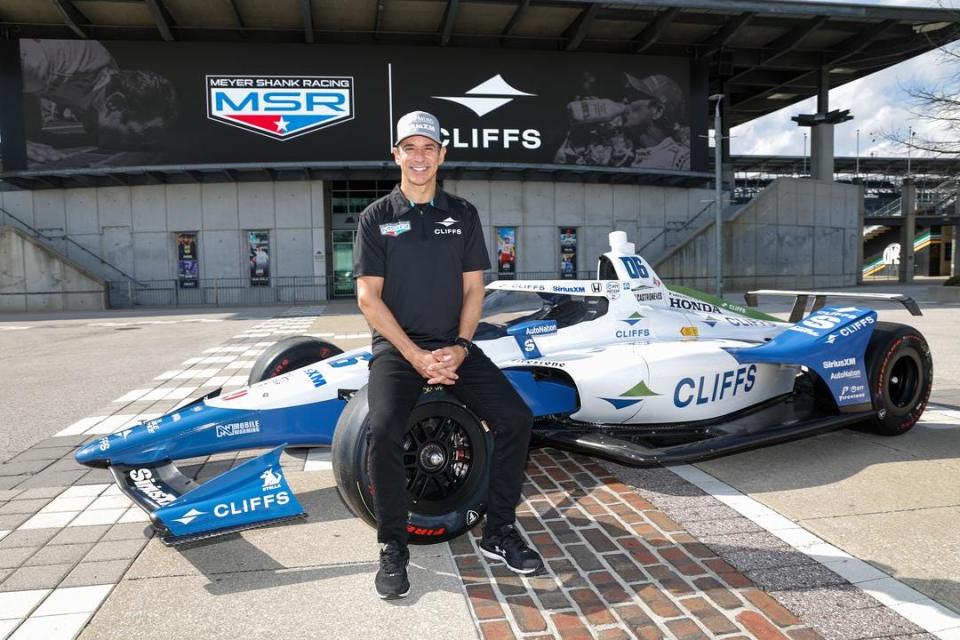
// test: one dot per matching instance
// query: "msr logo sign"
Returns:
(280, 107)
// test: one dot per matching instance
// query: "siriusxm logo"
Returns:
(835, 364)
(280, 107)
(316, 377)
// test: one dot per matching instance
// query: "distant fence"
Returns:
(292, 290)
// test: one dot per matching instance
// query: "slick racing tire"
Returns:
(289, 354)
(900, 373)
(447, 458)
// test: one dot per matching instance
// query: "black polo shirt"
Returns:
(421, 251)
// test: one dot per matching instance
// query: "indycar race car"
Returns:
(623, 368)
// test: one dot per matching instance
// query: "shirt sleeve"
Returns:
(475, 256)
(368, 248)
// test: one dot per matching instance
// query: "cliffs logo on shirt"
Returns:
(280, 107)
(394, 229)
(447, 227)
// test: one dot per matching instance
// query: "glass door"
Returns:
(343, 285)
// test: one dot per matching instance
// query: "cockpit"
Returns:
(503, 309)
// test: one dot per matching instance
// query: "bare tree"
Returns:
(937, 105)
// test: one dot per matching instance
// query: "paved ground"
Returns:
(766, 544)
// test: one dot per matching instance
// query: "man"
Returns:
(419, 260)
(118, 108)
(655, 106)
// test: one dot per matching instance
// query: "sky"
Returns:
(879, 104)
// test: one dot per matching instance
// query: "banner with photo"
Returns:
(568, 253)
(188, 266)
(90, 104)
(259, 244)
(507, 251)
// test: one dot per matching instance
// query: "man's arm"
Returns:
(450, 358)
(369, 298)
(472, 303)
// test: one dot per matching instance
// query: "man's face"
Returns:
(419, 157)
(115, 129)
(640, 113)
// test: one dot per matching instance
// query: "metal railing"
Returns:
(936, 199)
(51, 239)
(677, 228)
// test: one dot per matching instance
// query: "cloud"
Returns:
(880, 104)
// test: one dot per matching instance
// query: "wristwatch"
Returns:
(463, 342)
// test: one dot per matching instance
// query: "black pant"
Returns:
(394, 388)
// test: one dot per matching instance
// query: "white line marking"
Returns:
(133, 396)
(80, 426)
(318, 459)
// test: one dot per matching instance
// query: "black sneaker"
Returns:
(391, 579)
(507, 545)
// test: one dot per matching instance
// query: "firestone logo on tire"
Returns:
(280, 107)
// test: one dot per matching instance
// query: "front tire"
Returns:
(900, 373)
(447, 459)
(290, 354)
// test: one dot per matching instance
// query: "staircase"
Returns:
(677, 238)
(934, 201)
(677, 234)
(874, 230)
(119, 291)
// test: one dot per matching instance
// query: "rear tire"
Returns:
(900, 374)
(440, 509)
(290, 354)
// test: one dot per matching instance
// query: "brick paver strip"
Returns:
(617, 567)
(773, 609)
(686, 629)
(484, 602)
(526, 614)
(570, 626)
(499, 630)
(759, 626)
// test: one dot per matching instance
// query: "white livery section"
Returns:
(636, 351)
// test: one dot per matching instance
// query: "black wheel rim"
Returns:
(438, 456)
(903, 383)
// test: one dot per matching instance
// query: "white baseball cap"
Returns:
(418, 123)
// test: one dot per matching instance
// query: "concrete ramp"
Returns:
(35, 277)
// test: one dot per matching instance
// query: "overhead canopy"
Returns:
(764, 53)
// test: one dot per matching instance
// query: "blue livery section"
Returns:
(253, 492)
(198, 429)
(524, 333)
(544, 397)
(832, 342)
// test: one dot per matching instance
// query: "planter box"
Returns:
(945, 294)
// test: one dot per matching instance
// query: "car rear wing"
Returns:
(802, 298)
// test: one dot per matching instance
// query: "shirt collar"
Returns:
(402, 205)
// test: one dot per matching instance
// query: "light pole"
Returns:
(858, 154)
(909, 145)
(804, 154)
(718, 188)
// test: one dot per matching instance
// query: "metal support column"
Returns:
(908, 229)
(821, 143)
